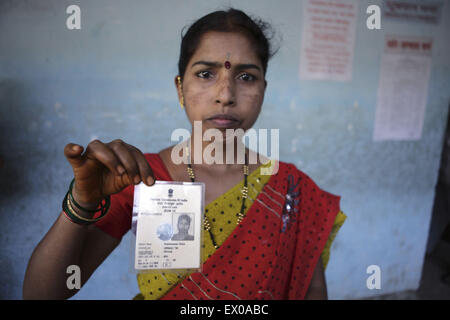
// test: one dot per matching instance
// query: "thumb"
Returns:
(73, 154)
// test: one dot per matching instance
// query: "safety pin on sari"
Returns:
(290, 210)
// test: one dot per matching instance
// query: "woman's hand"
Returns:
(105, 169)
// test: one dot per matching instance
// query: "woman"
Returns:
(275, 247)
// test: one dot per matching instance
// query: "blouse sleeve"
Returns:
(117, 221)
(338, 222)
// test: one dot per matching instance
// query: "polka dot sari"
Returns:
(289, 223)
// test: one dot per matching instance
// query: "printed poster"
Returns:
(403, 88)
(328, 39)
(428, 12)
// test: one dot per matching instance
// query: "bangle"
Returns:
(76, 203)
(76, 218)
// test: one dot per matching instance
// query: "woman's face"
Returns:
(214, 90)
(183, 225)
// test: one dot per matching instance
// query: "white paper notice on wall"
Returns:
(328, 38)
(403, 88)
(429, 12)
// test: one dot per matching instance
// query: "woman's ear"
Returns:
(179, 87)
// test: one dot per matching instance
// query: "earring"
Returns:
(181, 89)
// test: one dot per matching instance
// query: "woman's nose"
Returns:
(226, 92)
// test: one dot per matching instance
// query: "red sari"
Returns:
(271, 254)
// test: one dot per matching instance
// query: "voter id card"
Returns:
(167, 221)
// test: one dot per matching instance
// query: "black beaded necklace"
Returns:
(244, 191)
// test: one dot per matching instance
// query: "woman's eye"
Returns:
(204, 74)
(246, 77)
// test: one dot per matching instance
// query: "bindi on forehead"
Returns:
(227, 63)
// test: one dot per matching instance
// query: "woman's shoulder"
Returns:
(285, 169)
(296, 176)
(312, 197)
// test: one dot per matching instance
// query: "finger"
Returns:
(73, 153)
(97, 150)
(127, 159)
(145, 169)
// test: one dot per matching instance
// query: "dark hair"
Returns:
(231, 20)
(184, 217)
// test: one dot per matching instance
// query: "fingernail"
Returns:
(150, 181)
(120, 169)
(137, 179)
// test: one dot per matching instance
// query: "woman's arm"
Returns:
(65, 244)
(318, 288)
(104, 169)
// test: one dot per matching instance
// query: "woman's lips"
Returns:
(223, 121)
